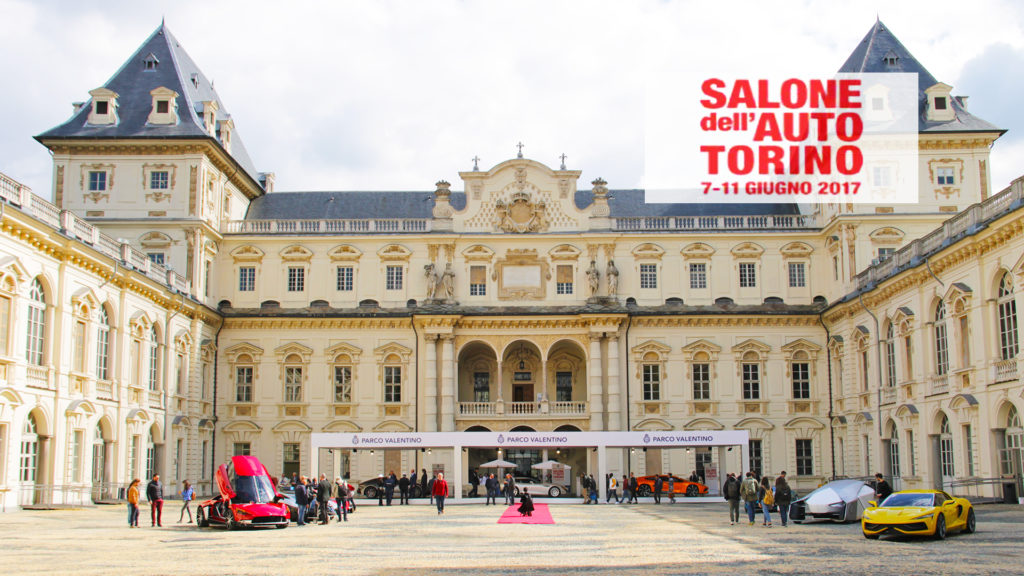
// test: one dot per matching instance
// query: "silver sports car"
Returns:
(839, 501)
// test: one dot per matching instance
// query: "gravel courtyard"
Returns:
(690, 538)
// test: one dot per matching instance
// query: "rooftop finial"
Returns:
(476, 163)
(520, 146)
(563, 157)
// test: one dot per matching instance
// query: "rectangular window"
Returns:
(162, 106)
(207, 267)
(885, 253)
(180, 383)
(864, 375)
(940, 102)
(342, 384)
(393, 278)
(133, 455)
(97, 181)
(835, 268)
(965, 347)
(652, 382)
(563, 279)
(292, 458)
(247, 279)
(912, 452)
(969, 448)
(154, 367)
(78, 347)
(756, 456)
(481, 387)
(136, 359)
(801, 380)
(296, 279)
(748, 275)
(698, 276)
(563, 386)
(392, 383)
(944, 176)
(941, 348)
(243, 384)
(344, 279)
(179, 456)
(205, 390)
(103, 107)
(751, 381)
(102, 352)
(648, 276)
(908, 357)
(804, 458)
(156, 257)
(76, 455)
(241, 449)
(202, 461)
(5, 323)
(881, 176)
(477, 280)
(701, 374)
(797, 276)
(293, 384)
(158, 180)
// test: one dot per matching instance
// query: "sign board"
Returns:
(711, 478)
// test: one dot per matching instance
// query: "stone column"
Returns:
(596, 388)
(447, 383)
(499, 407)
(430, 387)
(614, 401)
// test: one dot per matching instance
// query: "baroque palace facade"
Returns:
(170, 309)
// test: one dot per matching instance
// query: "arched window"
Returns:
(293, 378)
(751, 376)
(342, 379)
(941, 343)
(1007, 307)
(1014, 434)
(945, 448)
(29, 451)
(154, 360)
(890, 356)
(103, 346)
(36, 323)
(99, 457)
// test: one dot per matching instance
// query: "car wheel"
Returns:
(201, 520)
(554, 492)
(643, 491)
(279, 526)
(692, 490)
(871, 536)
(972, 523)
(940, 527)
(370, 492)
(416, 493)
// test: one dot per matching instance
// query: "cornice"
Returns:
(280, 323)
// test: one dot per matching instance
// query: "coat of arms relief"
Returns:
(521, 213)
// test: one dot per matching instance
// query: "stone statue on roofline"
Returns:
(613, 279)
(448, 283)
(594, 278)
(432, 280)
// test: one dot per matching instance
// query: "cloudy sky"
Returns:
(395, 95)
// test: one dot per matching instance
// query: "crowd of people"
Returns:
(758, 493)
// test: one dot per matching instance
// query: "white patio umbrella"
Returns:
(499, 463)
(550, 465)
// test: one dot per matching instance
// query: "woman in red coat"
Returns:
(440, 491)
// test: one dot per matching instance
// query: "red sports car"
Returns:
(248, 497)
(645, 486)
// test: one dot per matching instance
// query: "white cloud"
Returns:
(395, 95)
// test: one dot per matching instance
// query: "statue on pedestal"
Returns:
(448, 282)
(594, 278)
(613, 279)
(432, 280)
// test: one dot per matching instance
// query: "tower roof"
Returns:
(881, 52)
(160, 61)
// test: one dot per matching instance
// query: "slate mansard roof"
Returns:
(358, 205)
(176, 70)
(881, 52)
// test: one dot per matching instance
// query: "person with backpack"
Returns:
(748, 491)
(783, 497)
(340, 493)
(732, 496)
(659, 482)
(766, 495)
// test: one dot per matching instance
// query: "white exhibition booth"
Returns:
(599, 441)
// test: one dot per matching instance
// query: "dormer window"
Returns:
(890, 59)
(165, 106)
(940, 103)
(104, 107)
(939, 106)
(150, 62)
(210, 117)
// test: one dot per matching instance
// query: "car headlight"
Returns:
(923, 516)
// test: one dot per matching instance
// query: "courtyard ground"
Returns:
(685, 538)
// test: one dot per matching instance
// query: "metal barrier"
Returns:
(986, 490)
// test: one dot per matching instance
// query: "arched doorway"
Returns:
(1012, 455)
(892, 445)
(945, 453)
(30, 462)
(99, 464)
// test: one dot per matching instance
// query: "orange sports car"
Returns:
(645, 486)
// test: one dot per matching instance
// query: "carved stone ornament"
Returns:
(521, 214)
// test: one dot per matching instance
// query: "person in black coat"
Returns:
(525, 503)
(491, 485)
(882, 488)
(323, 494)
(390, 483)
(301, 500)
(658, 484)
(474, 482)
(423, 485)
(403, 489)
(632, 488)
(413, 482)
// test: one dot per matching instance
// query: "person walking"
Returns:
(187, 495)
(133, 504)
(633, 487)
(403, 489)
(423, 485)
(585, 487)
(731, 490)
(525, 503)
(613, 489)
(430, 489)
(491, 485)
(390, 483)
(381, 482)
(413, 483)
(748, 491)
(340, 493)
(155, 495)
(301, 500)
(593, 490)
(323, 495)
(439, 491)
(474, 483)
(625, 489)
(671, 488)
(510, 489)
(783, 497)
(767, 497)
(659, 482)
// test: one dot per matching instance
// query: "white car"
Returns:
(537, 488)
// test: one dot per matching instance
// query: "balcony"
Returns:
(348, 226)
(39, 377)
(1004, 370)
(105, 390)
(542, 409)
(938, 384)
(711, 223)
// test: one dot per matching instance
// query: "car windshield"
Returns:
(256, 489)
(912, 500)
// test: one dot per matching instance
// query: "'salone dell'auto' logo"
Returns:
(647, 438)
(355, 440)
(501, 438)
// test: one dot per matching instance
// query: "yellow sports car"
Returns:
(919, 513)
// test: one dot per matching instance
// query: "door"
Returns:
(522, 393)
(393, 462)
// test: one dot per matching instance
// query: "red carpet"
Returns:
(541, 515)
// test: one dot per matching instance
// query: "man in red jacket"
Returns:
(440, 491)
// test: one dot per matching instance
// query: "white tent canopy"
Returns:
(551, 465)
(498, 464)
